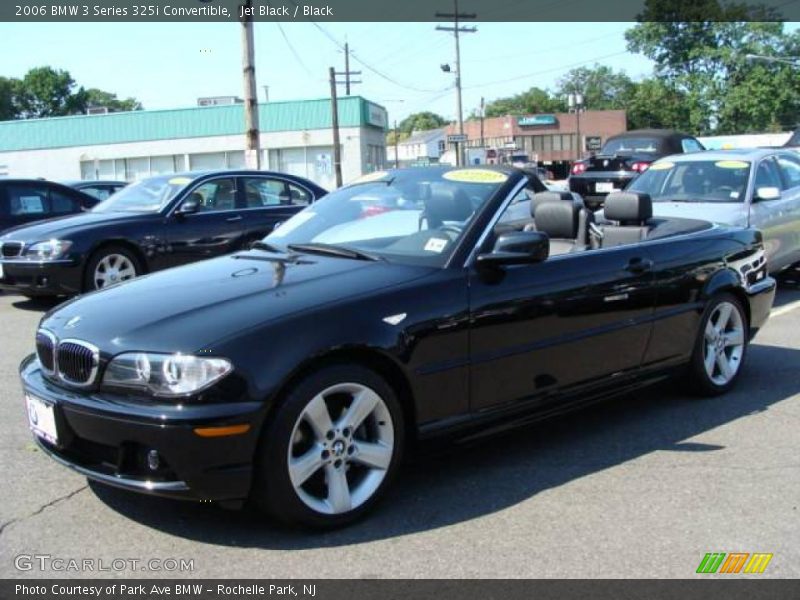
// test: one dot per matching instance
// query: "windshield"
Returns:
(631, 146)
(148, 195)
(414, 216)
(694, 181)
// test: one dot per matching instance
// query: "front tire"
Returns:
(331, 449)
(110, 265)
(721, 347)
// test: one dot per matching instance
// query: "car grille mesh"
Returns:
(46, 351)
(11, 249)
(77, 363)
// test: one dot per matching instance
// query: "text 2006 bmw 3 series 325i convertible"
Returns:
(410, 304)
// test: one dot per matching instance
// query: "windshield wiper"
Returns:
(333, 250)
(259, 245)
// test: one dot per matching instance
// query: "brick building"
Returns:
(548, 139)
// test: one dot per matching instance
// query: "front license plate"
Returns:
(604, 187)
(42, 418)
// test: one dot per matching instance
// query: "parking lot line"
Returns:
(785, 309)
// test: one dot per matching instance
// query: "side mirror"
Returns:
(189, 207)
(767, 193)
(517, 248)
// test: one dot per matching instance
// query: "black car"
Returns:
(296, 372)
(99, 188)
(24, 201)
(622, 158)
(151, 225)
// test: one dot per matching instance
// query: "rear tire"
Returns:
(330, 450)
(720, 348)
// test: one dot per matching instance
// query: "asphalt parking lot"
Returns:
(639, 487)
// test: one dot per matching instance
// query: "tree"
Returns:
(601, 86)
(46, 92)
(705, 59)
(420, 121)
(8, 92)
(535, 100)
(652, 103)
(98, 98)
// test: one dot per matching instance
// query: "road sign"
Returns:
(457, 138)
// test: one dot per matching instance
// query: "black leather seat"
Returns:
(561, 222)
(632, 211)
(585, 216)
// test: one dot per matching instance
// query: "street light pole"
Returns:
(575, 104)
(455, 15)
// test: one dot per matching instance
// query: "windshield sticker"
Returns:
(293, 223)
(662, 166)
(436, 245)
(475, 176)
(734, 194)
(731, 164)
(179, 181)
(376, 176)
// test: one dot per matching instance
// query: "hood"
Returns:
(728, 213)
(187, 308)
(62, 227)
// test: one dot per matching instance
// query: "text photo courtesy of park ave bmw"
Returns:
(369, 299)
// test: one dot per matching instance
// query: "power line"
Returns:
(294, 52)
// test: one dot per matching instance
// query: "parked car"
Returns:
(297, 372)
(24, 201)
(747, 187)
(622, 158)
(100, 189)
(151, 225)
(793, 143)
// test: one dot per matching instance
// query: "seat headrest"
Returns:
(627, 207)
(559, 220)
(447, 204)
(543, 197)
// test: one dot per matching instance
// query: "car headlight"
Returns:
(49, 250)
(168, 375)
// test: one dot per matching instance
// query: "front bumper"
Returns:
(760, 297)
(107, 438)
(42, 278)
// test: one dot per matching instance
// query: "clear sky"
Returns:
(171, 65)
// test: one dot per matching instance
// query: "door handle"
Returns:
(234, 219)
(639, 265)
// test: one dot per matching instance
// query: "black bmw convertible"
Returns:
(407, 305)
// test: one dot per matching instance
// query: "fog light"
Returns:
(153, 460)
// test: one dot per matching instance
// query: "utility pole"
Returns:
(483, 114)
(252, 153)
(347, 72)
(396, 146)
(337, 153)
(457, 16)
(575, 104)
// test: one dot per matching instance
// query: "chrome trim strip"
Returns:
(22, 261)
(54, 342)
(122, 482)
(496, 217)
(95, 363)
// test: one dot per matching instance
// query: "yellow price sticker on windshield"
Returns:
(662, 166)
(731, 164)
(475, 176)
(375, 176)
(179, 181)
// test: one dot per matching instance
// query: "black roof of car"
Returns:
(91, 182)
(656, 133)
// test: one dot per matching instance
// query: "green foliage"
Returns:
(48, 92)
(535, 100)
(420, 121)
(601, 86)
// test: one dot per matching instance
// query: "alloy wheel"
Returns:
(341, 448)
(723, 343)
(112, 269)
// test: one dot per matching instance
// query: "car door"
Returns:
(269, 200)
(558, 326)
(773, 216)
(789, 166)
(216, 228)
